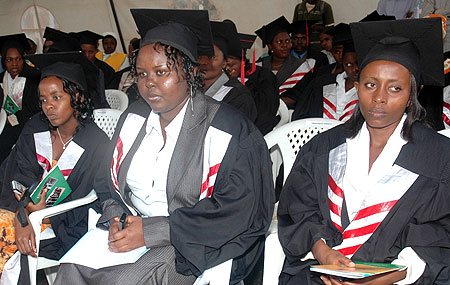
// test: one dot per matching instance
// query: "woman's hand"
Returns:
(31, 207)
(327, 256)
(131, 237)
(25, 238)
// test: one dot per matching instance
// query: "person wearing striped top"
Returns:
(375, 189)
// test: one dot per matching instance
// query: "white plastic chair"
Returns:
(445, 132)
(283, 112)
(49, 265)
(106, 119)
(284, 144)
(116, 99)
(3, 118)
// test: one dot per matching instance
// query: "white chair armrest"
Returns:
(37, 217)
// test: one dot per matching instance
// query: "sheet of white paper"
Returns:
(92, 251)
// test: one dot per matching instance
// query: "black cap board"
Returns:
(268, 32)
(73, 66)
(374, 16)
(413, 43)
(186, 30)
(299, 27)
(247, 40)
(226, 38)
(14, 40)
(52, 34)
(341, 33)
(88, 37)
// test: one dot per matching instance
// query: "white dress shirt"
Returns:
(147, 175)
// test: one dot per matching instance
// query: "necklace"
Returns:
(60, 138)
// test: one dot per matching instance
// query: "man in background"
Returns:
(117, 60)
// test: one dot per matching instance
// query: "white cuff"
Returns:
(415, 265)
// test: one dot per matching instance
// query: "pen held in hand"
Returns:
(122, 221)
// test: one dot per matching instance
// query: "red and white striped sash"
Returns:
(380, 199)
(446, 107)
(297, 75)
(330, 103)
(66, 162)
(216, 145)
(128, 133)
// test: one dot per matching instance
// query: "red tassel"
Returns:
(250, 72)
(243, 68)
(307, 34)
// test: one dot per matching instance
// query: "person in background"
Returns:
(33, 46)
(63, 134)
(89, 43)
(195, 177)
(261, 82)
(19, 84)
(217, 83)
(326, 42)
(288, 69)
(376, 188)
(116, 60)
(314, 10)
(401, 9)
(440, 7)
(332, 96)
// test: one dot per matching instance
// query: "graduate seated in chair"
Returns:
(375, 189)
(192, 174)
(64, 135)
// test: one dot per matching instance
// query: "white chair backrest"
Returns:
(116, 99)
(292, 136)
(3, 118)
(445, 132)
(106, 119)
(283, 112)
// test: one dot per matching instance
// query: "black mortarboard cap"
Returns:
(341, 33)
(186, 30)
(225, 36)
(269, 31)
(14, 40)
(299, 27)
(88, 37)
(349, 46)
(247, 40)
(414, 43)
(374, 16)
(73, 66)
(53, 34)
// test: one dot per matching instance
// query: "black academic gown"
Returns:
(108, 73)
(420, 218)
(290, 64)
(240, 98)
(23, 167)
(310, 101)
(263, 86)
(30, 106)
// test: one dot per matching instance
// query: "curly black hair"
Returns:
(176, 58)
(414, 113)
(82, 104)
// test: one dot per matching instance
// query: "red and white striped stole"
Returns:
(128, 133)
(446, 107)
(380, 198)
(330, 103)
(66, 162)
(297, 75)
(216, 145)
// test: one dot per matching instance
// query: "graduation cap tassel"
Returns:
(307, 34)
(253, 64)
(243, 68)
